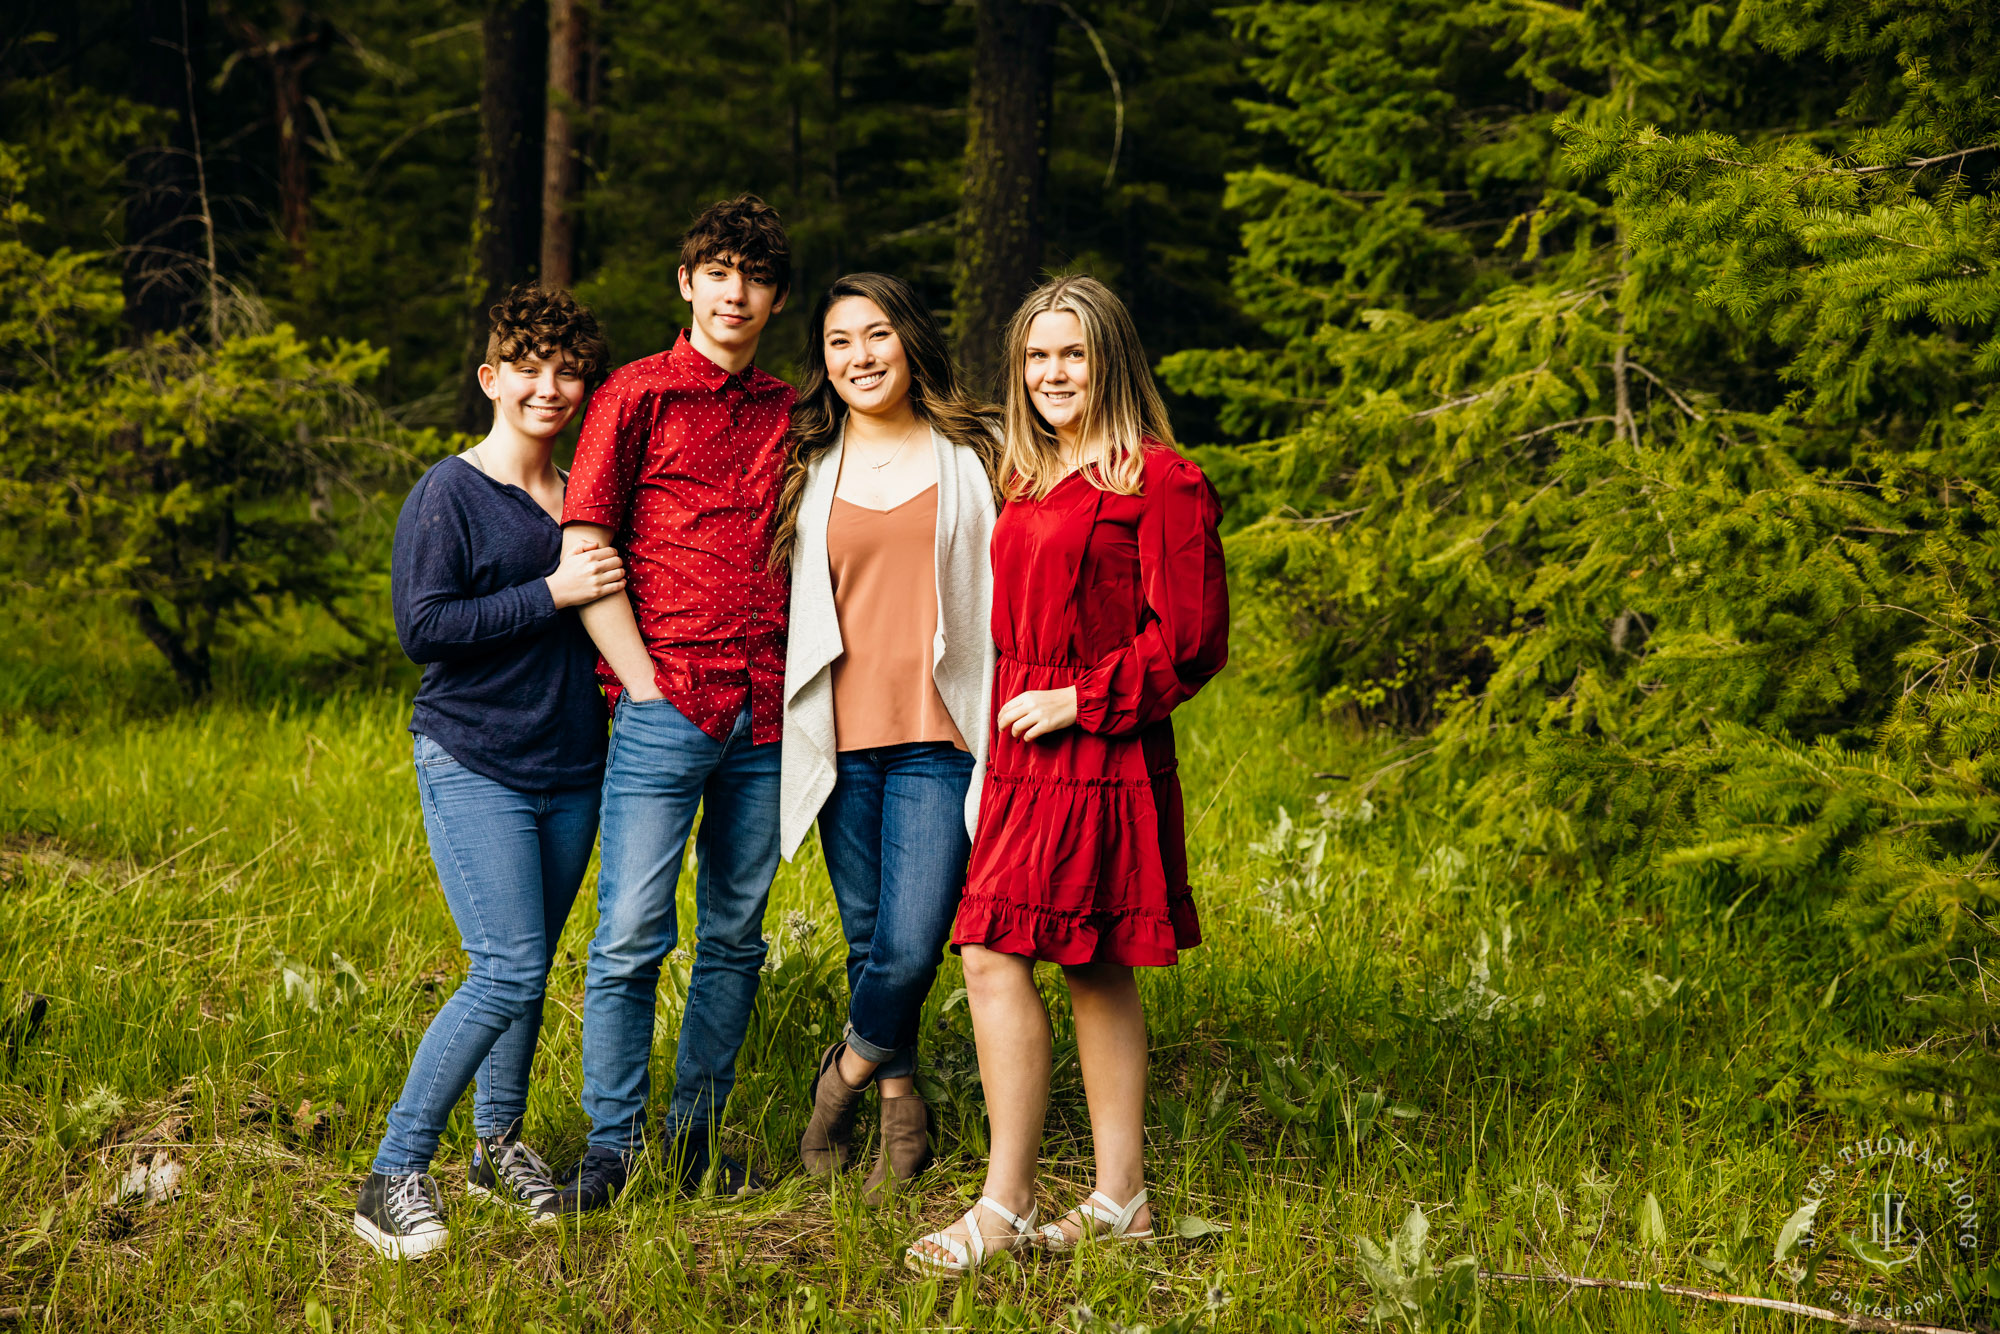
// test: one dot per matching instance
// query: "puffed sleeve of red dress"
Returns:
(1185, 640)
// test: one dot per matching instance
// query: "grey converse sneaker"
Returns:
(401, 1216)
(506, 1170)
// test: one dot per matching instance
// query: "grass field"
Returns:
(233, 916)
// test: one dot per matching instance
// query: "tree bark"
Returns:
(506, 227)
(999, 251)
(191, 666)
(286, 59)
(165, 280)
(795, 114)
(561, 171)
(838, 218)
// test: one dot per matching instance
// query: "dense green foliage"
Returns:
(1606, 398)
(193, 482)
(189, 481)
(208, 476)
(1633, 436)
(850, 118)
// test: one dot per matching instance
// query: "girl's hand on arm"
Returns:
(610, 621)
(587, 573)
(1036, 713)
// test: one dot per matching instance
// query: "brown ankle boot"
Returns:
(828, 1143)
(906, 1146)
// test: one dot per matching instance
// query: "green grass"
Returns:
(1335, 1053)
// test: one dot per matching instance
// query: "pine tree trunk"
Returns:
(561, 174)
(507, 238)
(288, 87)
(191, 665)
(794, 112)
(837, 219)
(286, 59)
(167, 282)
(165, 278)
(999, 253)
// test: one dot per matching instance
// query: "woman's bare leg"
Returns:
(1011, 1027)
(1111, 1048)
(856, 1070)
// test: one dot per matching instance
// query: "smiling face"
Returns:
(865, 360)
(534, 395)
(730, 307)
(1057, 371)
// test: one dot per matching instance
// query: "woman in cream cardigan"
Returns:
(887, 508)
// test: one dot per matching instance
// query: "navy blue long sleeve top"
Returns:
(509, 688)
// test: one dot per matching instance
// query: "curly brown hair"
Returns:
(749, 233)
(534, 322)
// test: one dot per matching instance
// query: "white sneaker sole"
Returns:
(393, 1247)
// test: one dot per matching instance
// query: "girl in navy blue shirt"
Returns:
(509, 730)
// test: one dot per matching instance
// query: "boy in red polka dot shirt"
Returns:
(678, 467)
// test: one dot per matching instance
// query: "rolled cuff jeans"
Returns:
(510, 863)
(661, 769)
(893, 830)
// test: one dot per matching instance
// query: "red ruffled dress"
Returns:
(1080, 854)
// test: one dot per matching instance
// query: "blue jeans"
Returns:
(893, 830)
(661, 768)
(510, 863)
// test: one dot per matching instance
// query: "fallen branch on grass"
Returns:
(1875, 1324)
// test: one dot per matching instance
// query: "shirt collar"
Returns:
(685, 356)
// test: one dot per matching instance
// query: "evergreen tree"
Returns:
(190, 480)
(1630, 437)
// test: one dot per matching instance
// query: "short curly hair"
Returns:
(748, 232)
(535, 322)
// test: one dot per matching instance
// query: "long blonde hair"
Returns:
(1122, 406)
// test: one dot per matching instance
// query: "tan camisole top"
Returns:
(884, 569)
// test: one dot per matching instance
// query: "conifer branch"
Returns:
(1852, 1320)
(1385, 194)
(1623, 422)
(1910, 164)
(1974, 870)
(1559, 426)
(1929, 620)
(1627, 425)
(1321, 520)
(1463, 400)
(1117, 90)
(1487, 531)
(1385, 770)
(201, 184)
(1919, 163)
(1467, 400)
(1668, 390)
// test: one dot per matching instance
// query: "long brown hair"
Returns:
(1122, 405)
(936, 396)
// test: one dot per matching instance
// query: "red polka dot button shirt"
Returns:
(682, 462)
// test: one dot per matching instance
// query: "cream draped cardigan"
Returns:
(961, 650)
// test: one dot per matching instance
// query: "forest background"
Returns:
(1601, 396)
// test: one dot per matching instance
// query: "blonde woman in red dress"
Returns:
(1109, 608)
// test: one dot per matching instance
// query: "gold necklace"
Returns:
(878, 467)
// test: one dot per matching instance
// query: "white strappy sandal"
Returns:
(972, 1251)
(1103, 1219)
